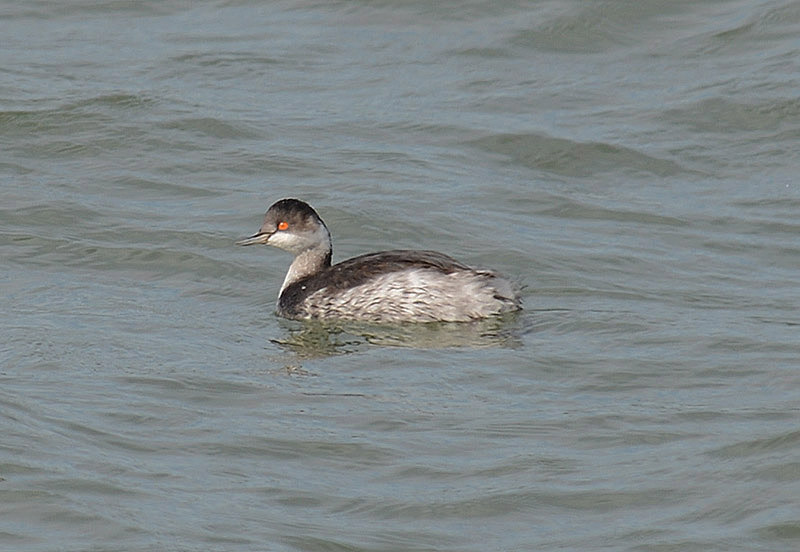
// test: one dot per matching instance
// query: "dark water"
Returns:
(633, 164)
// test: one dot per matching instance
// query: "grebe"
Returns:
(385, 287)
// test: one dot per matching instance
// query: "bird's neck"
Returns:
(307, 263)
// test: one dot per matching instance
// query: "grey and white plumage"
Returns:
(386, 287)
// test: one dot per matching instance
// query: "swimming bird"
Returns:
(385, 287)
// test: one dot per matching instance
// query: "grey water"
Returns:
(634, 165)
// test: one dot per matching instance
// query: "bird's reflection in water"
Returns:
(315, 339)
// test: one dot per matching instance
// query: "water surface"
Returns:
(634, 165)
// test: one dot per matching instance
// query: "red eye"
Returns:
(283, 225)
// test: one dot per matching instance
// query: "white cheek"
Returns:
(282, 240)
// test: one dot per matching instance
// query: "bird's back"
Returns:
(397, 286)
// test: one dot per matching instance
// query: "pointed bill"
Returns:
(261, 237)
